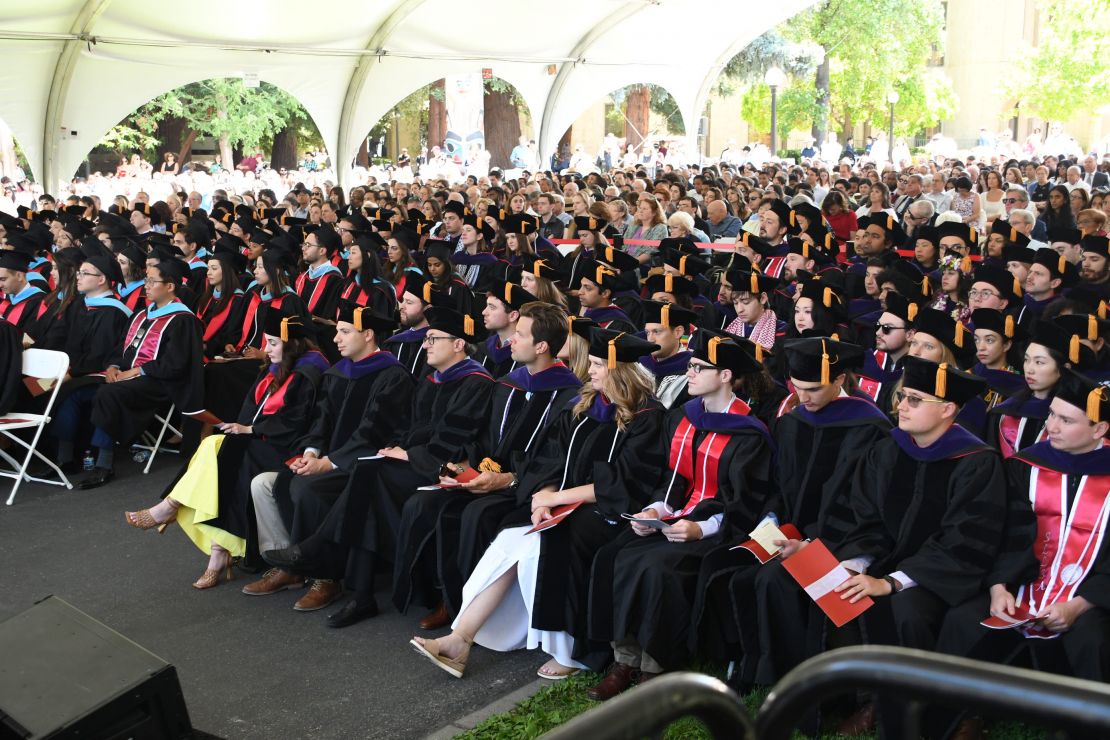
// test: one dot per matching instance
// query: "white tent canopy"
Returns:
(76, 68)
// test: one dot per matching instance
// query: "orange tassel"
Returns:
(285, 330)
(1013, 234)
(1008, 329)
(1017, 288)
(911, 311)
(668, 283)
(468, 325)
(758, 352)
(1092, 328)
(682, 264)
(825, 369)
(712, 350)
(942, 380)
(612, 362)
(755, 283)
(1094, 401)
(665, 315)
(358, 319)
(959, 334)
(925, 288)
(1073, 349)
(427, 292)
(827, 298)
(1061, 264)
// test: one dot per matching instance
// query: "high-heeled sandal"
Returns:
(430, 650)
(212, 576)
(145, 520)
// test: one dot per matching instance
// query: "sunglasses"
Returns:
(914, 401)
(888, 328)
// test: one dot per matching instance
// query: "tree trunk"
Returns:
(9, 161)
(502, 126)
(171, 130)
(846, 126)
(187, 146)
(362, 159)
(284, 151)
(225, 140)
(821, 85)
(437, 116)
(637, 113)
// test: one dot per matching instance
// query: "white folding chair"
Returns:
(155, 446)
(44, 364)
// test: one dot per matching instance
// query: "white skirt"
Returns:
(509, 627)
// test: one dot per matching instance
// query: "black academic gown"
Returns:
(26, 313)
(11, 366)
(408, 347)
(169, 351)
(444, 532)
(381, 296)
(624, 466)
(496, 357)
(644, 588)
(1017, 423)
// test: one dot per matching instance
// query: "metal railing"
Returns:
(913, 676)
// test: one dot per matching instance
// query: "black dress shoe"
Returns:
(97, 478)
(352, 612)
(291, 558)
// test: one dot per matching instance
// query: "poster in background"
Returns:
(464, 99)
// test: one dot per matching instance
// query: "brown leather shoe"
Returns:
(969, 729)
(861, 721)
(321, 594)
(618, 680)
(436, 618)
(272, 581)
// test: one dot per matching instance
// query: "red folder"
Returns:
(465, 476)
(818, 571)
(558, 514)
(1021, 616)
(762, 555)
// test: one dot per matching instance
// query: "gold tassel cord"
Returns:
(825, 368)
(942, 380)
(1094, 401)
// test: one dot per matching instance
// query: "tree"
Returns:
(1067, 71)
(501, 121)
(796, 107)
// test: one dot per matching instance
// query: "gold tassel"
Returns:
(1092, 328)
(665, 315)
(1017, 288)
(285, 330)
(758, 352)
(965, 264)
(489, 465)
(925, 288)
(1073, 349)
(825, 369)
(612, 363)
(427, 292)
(682, 264)
(972, 235)
(889, 222)
(1102, 309)
(668, 283)
(792, 224)
(911, 311)
(1008, 328)
(570, 323)
(508, 293)
(712, 351)
(942, 380)
(1013, 234)
(1061, 264)
(755, 283)
(468, 325)
(1094, 399)
(827, 300)
(959, 334)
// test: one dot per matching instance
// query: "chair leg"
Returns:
(158, 442)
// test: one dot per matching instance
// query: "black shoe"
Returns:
(97, 478)
(292, 559)
(73, 467)
(353, 611)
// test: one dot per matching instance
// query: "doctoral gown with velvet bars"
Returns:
(644, 588)
(435, 547)
(625, 467)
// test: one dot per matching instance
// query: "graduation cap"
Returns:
(781, 209)
(266, 214)
(1019, 253)
(1009, 233)
(513, 296)
(106, 266)
(479, 224)
(1084, 325)
(667, 315)
(754, 349)
(232, 260)
(618, 346)
(497, 213)
(450, 321)
(588, 223)
(288, 219)
(24, 243)
(230, 242)
(146, 210)
(15, 259)
(377, 213)
(1085, 394)
(808, 251)
(1064, 234)
(928, 233)
(902, 307)
(756, 244)
(328, 238)
(521, 223)
(968, 234)
(581, 326)
(821, 292)
(406, 236)
(684, 263)
(246, 225)
(359, 224)
(598, 273)
(423, 289)
(894, 232)
(441, 249)
(1067, 343)
(276, 257)
(414, 214)
(1096, 244)
(173, 270)
(242, 210)
(940, 380)
(455, 207)
(539, 267)
(10, 222)
(682, 244)
(669, 282)
(945, 329)
(1057, 266)
(728, 354)
(77, 210)
(991, 319)
(284, 326)
(753, 282)
(1004, 281)
(617, 258)
(820, 360)
(364, 317)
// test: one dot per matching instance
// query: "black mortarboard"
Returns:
(1009, 233)
(1018, 253)
(669, 282)
(441, 249)
(941, 380)
(751, 282)
(825, 294)
(969, 234)
(146, 210)
(657, 312)
(601, 275)
(889, 224)
(328, 238)
(1085, 394)
(1057, 265)
(364, 317)
(232, 260)
(1002, 324)
(808, 251)
(588, 223)
(1066, 234)
(422, 287)
(756, 244)
(513, 296)
(685, 264)
(15, 259)
(1000, 279)
(819, 360)
(581, 326)
(521, 223)
(729, 354)
(284, 326)
(453, 206)
(539, 267)
(287, 219)
(106, 266)
(1061, 340)
(173, 270)
(450, 321)
(479, 224)
(683, 244)
(1097, 244)
(946, 330)
(1084, 325)
(902, 307)
(781, 209)
(618, 258)
(617, 346)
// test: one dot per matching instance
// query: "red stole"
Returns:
(317, 288)
(217, 321)
(362, 297)
(700, 468)
(271, 402)
(870, 386)
(150, 340)
(1067, 541)
(1010, 429)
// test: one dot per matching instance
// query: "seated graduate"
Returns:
(222, 304)
(211, 498)
(1050, 587)
(755, 320)
(362, 405)
(995, 336)
(61, 305)
(642, 587)
(441, 274)
(444, 532)
(666, 325)
(21, 304)
(360, 528)
(927, 509)
(407, 345)
(92, 334)
(596, 284)
(321, 283)
(132, 262)
(819, 446)
(158, 363)
(604, 457)
(365, 285)
(499, 317)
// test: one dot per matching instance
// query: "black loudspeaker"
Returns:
(65, 675)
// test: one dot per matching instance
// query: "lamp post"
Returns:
(774, 78)
(892, 98)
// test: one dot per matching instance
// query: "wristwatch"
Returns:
(895, 586)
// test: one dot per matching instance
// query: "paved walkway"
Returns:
(249, 667)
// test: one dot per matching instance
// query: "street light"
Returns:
(774, 78)
(892, 98)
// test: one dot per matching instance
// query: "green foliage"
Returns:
(796, 58)
(1068, 70)
(662, 104)
(797, 106)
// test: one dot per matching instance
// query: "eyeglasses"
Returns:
(696, 369)
(982, 294)
(888, 328)
(914, 401)
(152, 281)
(82, 273)
(430, 340)
(1010, 200)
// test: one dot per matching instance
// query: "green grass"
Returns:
(553, 705)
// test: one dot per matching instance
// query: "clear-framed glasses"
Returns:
(914, 401)
(82, 273)
(977, 293)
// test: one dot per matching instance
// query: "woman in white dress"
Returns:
(603, 456)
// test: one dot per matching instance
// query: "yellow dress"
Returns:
(198, 493)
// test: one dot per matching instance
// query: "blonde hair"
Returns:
(578, 359)
(547, 292)
(628, 386)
